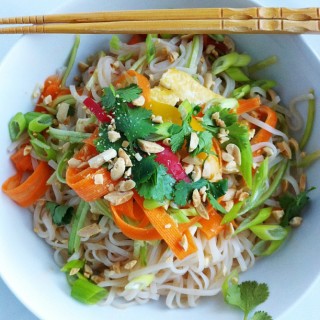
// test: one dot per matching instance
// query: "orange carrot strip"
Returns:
(271, 120)
(82, 182)
(128, 78)
(212, 227)
(94, 136)
(22, 162)
(246, 105)
(183, 227)
(217, 150)
(136, 38)
(28, 192)
(132, 232)
(168, 230)
(126, 209)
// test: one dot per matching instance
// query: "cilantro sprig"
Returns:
(61, 214)
(183, 191)
(293, 205)
(152, 179)
(132, 123)
(246, 296)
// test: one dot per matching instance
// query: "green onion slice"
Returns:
(87, 292)
(269, 232)
(77, 224)
(17, 126)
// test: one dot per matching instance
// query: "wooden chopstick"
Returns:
(300, 14)
(176, 21)
(174, 27)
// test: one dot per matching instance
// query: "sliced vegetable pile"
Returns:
(165, 159)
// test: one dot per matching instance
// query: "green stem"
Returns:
(72, 58)
(263, 64)
(309, 159)
(77, 223)
(309, 123)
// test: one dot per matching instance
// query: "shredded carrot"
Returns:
(132, 232)
(247, 105)
(271, 120)
(136, 38)
(82, 180)
(128, 78)
(94, 136)
(212, 227)
(22, 161)
(28, 192)
(169, 231)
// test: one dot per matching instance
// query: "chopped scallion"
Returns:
(72, 58)
(69, 136)
(309, 123)
(87, 292)
(77, 224)
(17, 126)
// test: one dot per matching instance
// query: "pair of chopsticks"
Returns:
(173, 21)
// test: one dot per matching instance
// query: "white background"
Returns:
(10, 308)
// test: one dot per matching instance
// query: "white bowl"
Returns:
(27, 265)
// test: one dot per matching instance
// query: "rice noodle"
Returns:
(264, 126)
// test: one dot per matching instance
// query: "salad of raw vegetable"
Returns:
(162, 170)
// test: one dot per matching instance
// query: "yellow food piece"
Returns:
(163, 95)
(185, 87)
(168, 112)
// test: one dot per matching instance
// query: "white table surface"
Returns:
(307, 308)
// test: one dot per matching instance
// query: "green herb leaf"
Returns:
(205, 143)
(103, 143)
(108, 98)
(61, 214)
(246, 295)
(152, 179)
(183, 190)
(253, 294)
(129, 93)
(134, 123)
(178, 134)
(293, 205)
(261, 315)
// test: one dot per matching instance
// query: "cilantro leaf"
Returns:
(103, 143)
(129, 93)
(246, 295)
(261, 315)
(61, 214)
(219, 188)
(205, 143)
(152, 179)
(224, 115)
(252, 294)
(178, 134)
(134, 123)
(108, 99)
(183, 190)
(143, 170)
(293, 205)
